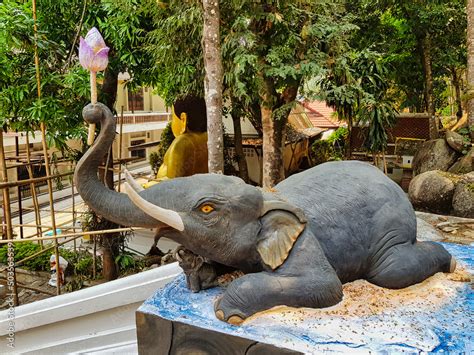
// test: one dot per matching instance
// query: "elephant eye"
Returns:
(207, 208)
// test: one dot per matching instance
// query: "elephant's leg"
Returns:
(256, 292)
(406, 264)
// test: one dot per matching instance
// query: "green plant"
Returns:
(125, 261)
(331, 148)
(79, 262)
(128, 263)
(24, 250)
(156, 158)
(464, 132)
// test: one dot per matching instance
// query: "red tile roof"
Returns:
(321, 115)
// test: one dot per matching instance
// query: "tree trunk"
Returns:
(273, 171)
(213, 85)
(109, 87)
(425, 47)
(109, 243)
(239, 150)
(274, 133)
(470, 65)
(349, 136)
(457, 93)
(255, 116)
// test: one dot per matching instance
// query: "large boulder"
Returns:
(455, 141)
(435, 154)
(464, 164)
(432, 191)
(463, 198)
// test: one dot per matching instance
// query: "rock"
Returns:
(463, 164)
(469, 177)
(463, 200)
(469, 234)
(425, 231)
(455, 141)
(432, 191)
(434, 155)
(449, 229)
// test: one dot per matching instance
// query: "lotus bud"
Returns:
(93, 56)
(93, 53)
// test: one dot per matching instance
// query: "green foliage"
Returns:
(331, 148)
(404, 31)
(24, 250)
(465, 133)
(61, 100)
(356, 84)
(80, 261)
(64, 84)
(129, 263)
(175, 46)
(156, 158)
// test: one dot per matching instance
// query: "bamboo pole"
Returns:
(94, 257)
(7, 211)
(68, 235)
(20, 262)
(20, 164)
(73, 204)
(120, 149)
(18, 189)
(35, 289)
(28, 225)
(34, 196)
(44, 251)
(60, 211)
(34, 180)
(45, 153)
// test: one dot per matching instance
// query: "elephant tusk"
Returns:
(169, 217)
(131, 181)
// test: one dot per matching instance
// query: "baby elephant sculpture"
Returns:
(332, 224)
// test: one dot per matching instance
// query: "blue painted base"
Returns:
(435, 316)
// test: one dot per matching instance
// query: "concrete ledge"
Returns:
(85, 319)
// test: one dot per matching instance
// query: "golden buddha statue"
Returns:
(187, 154)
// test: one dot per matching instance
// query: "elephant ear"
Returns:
(282, 224)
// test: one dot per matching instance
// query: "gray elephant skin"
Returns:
(297, 245)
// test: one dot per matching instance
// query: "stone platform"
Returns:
(434, 316)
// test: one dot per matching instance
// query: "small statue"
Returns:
(200, 275)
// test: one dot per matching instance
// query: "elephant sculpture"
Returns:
(296, 244)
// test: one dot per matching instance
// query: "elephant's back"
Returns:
(341, 201)
(341, 184)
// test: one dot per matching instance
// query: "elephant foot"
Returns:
(227, 315)
(258, 292)
(234, 320)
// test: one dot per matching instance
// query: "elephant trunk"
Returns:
(113, 206)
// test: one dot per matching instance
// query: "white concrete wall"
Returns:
(95, 319)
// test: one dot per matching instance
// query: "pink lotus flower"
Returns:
(93, 53)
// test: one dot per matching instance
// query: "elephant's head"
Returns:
(216, 216)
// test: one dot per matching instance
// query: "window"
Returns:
(138, 152)
(38, 171)
(135, 100)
